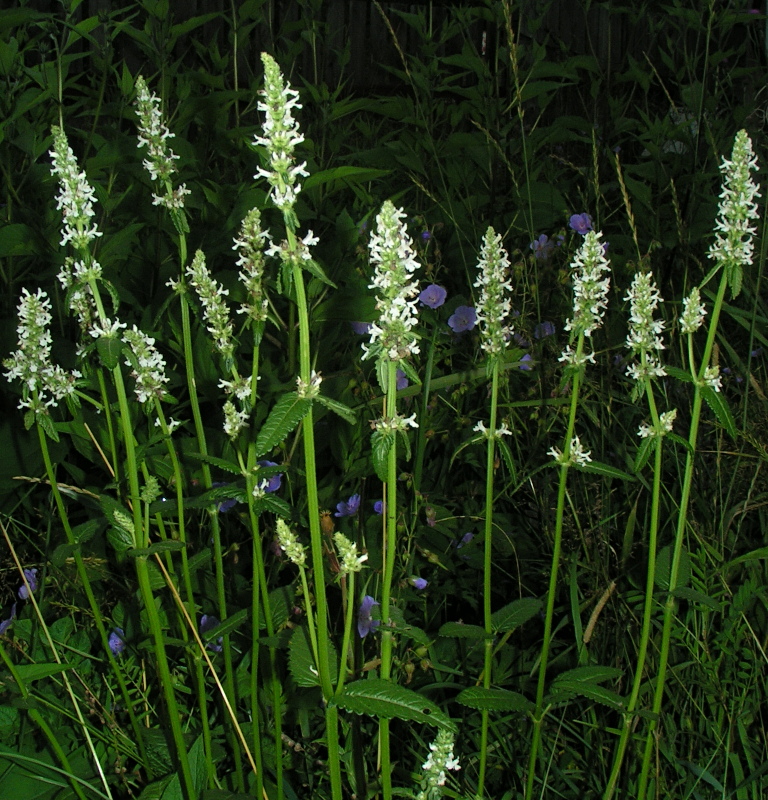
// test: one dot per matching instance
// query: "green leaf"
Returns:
(509, 459)
(719, 405)
(109, 349)
(301, 662)
(694, 596)
(229, 624)
(594, 674)
(157, 547)
(483, 699)
(515, 614)
(664, 568)
(461, 631)
(380, 698)
(381, 443)
(345, 175)
(606, 470)
(345, 412)
(284, 417)
(221, 463)
(564, 690)
(643, 453)
(17, 240)
(33, 672)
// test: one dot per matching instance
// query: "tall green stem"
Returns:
(487, 563)
(539, 711)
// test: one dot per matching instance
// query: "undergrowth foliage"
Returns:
(524, 589)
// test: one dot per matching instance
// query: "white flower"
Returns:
(712, 378)
(501, 431)
(234, 420)
(148, 365)
(693, 312)
(311, 389)
(215, 310)
(250, 245)
(396, 423)
(281, 135)
(392, 336)
(590, 287)
(350, 560)
(577, 454)
(666, 421)
(494, 305)
(644, 331)
(440, 759)
(734, 246)
(289, 543)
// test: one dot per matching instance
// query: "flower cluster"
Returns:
(733, 246)
(311, 388)
(693, 312)
(644, 339)
(76, 196)
(290, 544)
(250, 245)
(148, 366)
(494, 306)
(576, 454)
(396, 423)
(281, 135)
(391, 249)
(440, 759)
(44, 383)
(215, 310)
(590, 293)
(154, 134)
(350, 560)
(666, 420)
(488, 434)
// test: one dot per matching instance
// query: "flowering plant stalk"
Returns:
(392, 341)
(281, 135)
(81, 276)
(159, 163)
(731, 251)
(590, 293)
(644, 341)
(494, 309)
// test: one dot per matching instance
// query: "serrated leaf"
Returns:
(694, 596)
(461, 631)
(515, 614)
(157, 547)
(719, 406)
(483, 699)
(643, 453)
(120, 539)
(562, 691)
(606, 470)
(345, 412)
(593, 674)
(284, 417)
(381, 443)
(508, 458)
(221, 463)
(380, 698)
(109, 349)
(318, 272)
(664, 568)
(301, 662)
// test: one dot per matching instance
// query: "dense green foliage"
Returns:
(162, 605)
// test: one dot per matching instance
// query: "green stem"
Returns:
(539, 711)
(487, 563)
(316, 539)
(682, 521)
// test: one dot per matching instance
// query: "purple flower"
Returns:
(462, 319)
(426, 235)
(433, 296)
(31, 576)
(402, 380)
(542, 247)
(348, 508)
(207, 623)
(6, 623)
(524, 363)
(116, 641)
(365, 622)
(581, 223)
(544, 329)
(465, 539)
(361, 328)
(378, 506)
(418, 583)
(520, 341)
(274, 481)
